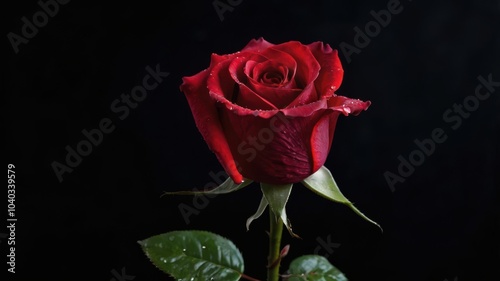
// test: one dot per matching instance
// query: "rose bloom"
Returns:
(269, 111)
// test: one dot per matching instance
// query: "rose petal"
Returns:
(331, 74)
(347, 105)
(257, 45)
(306, 109)
(207, 121)
(321, 139)
(273, 150)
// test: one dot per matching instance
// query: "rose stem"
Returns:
(275, 233)
(244, 276)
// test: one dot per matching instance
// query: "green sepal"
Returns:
(227, 186)
(260, 210)
(277, 197)
(323, 184)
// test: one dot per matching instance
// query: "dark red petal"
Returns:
(306, 109)
(347, 105)
(321, 139)
(273, 150)
(308, 95)
(331, 74)
(278, 97)
(207, 121)
(257, 45)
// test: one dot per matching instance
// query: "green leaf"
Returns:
(323, 184)
(314, 268)
(194, 255)
(226, 187)
(277, 196)
(262, 207)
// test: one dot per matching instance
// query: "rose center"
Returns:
(272, 78)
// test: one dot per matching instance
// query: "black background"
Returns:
(441, 223)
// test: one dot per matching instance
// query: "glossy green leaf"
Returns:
(226, 187)
(314, 268)
(194, 255)
(260, 210)
(277, 197)
(323, 184)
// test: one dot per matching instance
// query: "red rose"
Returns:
(269, 111)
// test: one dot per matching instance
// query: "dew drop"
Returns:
(203, 247)
(160, 245)
(171, 238)
(192, 278)
(184, 250)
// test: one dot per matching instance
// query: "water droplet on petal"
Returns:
(255, 113)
